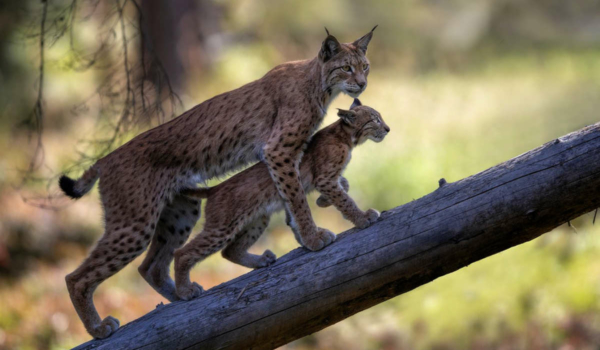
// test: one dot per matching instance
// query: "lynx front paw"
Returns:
(369, 218)
(266, 259)
(108, 326)
(320, 240)
(189, 292)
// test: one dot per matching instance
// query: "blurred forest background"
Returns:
(464, 85)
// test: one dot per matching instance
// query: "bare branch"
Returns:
(456, 225)
(35, 121)
(116, 98)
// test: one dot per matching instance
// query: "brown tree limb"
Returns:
(456, 225)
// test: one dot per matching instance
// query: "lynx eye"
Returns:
(346, 68)
(365, 66)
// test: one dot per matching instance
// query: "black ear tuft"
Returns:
(326, 31)
(363, 42)
(348, 117)
(355, 103)
(331, 46)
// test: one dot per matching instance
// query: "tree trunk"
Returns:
(456, 225)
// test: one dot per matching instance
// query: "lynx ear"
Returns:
(363, 42)
(331, 46)
(348, 117)
(356, 103)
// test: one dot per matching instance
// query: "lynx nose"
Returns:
(386, 128)
(361, 84)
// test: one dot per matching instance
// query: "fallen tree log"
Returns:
(456, 225)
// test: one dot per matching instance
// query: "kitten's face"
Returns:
(369, 125)
(345, 67)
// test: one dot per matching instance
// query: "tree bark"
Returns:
(456, 225)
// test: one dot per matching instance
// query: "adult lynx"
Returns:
(270, 119)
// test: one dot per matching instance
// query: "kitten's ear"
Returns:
(331, 46)
(356, 103)
(363, 42)
(348, 117)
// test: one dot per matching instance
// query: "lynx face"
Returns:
(348, 72)
(345, 66)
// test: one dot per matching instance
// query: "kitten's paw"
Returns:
(320, 240)
(372, 215)
(323, 202)
(369, 218)
(190, 291)
(108, 326)
(266, 259)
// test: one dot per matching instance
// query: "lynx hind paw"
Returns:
(267, 258)
(193, 291)
(107, 327)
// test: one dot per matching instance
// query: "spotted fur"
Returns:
(238, 210)
(269, 120)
